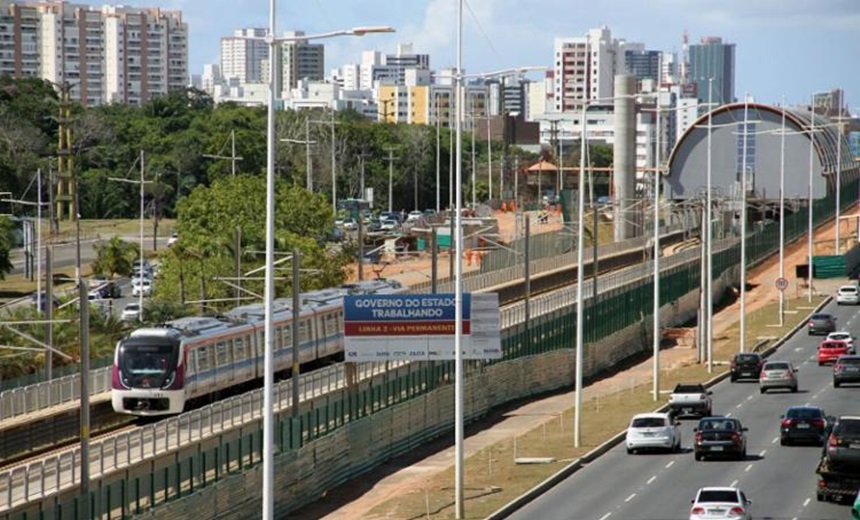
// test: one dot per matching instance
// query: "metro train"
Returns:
(156, 370)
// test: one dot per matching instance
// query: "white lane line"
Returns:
(807, 404)
(604, 517)
(734, 484)
(628, 499)
(774, 440)
(741, 404)
(748, 468)
(652, 479)
(762, 453)
(670, 464)
(749, 398)
(806, 502)
(728, 414)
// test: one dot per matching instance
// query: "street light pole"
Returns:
(782, 216)
(580, 280)
(838, 173)
(459, 496)
(743, 331)
(656, 325)
(809, 188)
(709, 297)
(438, 157)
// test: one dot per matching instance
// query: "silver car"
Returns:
(778, 374)
(848, 295)
(653, 431)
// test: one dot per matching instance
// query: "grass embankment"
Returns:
(492, 478)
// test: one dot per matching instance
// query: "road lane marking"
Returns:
(652, 479)
(631, 497)
(734, 484)
(762, 453)
(748, 468)
(806, 502)
(749, 398)
(739, 405)
(728, 414)
(604, 517)
(669, 465)
(774, 440)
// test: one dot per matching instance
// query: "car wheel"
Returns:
(733, 379)
(697, 456)
(761, 390)
(794, 389)
(820, 497)
(629, 451)
(836, 384)
(783, 441)
(820, 364)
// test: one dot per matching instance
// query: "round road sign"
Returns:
(781, 284)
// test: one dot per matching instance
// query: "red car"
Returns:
(830, 350)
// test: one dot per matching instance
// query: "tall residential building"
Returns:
(112, 54)
(643, 64)
(713, 59)
(301, 60)
(242, 58)
(585, 68)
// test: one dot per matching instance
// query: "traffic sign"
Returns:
(781, 283)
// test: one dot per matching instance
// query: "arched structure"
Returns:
(688, 162)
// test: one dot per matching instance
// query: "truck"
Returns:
(839, 468)
(687, 399)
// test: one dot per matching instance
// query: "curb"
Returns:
(541, 488)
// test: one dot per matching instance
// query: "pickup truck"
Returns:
(687, 399)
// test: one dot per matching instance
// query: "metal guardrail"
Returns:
(32, 398)
(36, 480)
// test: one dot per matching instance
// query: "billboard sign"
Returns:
(420, 327)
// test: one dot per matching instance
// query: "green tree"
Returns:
(7, 240)
(114, 256)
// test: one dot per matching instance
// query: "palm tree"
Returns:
(114, 257)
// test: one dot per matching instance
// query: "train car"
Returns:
(156, 370)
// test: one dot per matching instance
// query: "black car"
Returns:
(821, 323)
(803, 424)
(843, 445)
(746, 365)
(720, 436)
(846, 370)
(106, 288)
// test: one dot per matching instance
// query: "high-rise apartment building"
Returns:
(643, 64)
(713, 59)
(585, 68)
(112, 54)
(242, 58)
(301, 60)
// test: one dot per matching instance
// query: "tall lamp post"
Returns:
(268, 378)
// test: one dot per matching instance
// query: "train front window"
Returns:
(147, 365)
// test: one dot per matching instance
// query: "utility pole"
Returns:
(361, 157)
(390, 160)
(310, 166)
(232, 157)
(65, 164)
(332, 122)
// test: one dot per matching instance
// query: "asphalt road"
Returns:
(780, 480)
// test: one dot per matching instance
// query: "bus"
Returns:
(352, 208)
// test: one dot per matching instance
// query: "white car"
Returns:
(848, 295)
(131, 312)
(173, 239)
(724, 503)
(139, 286)
(653, 431)
(388, 225)
(414, 215)
(842, 336)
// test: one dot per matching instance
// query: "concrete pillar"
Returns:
(624, 150)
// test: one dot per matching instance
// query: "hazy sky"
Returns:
(784, 47)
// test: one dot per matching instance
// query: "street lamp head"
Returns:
(371, 29)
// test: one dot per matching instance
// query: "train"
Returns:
(158, 370)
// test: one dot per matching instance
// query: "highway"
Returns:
(780, 480)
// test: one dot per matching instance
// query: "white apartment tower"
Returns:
(112, 54)
(301, 60)
(585, 68)
(241, 58)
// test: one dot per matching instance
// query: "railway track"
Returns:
(36, 439)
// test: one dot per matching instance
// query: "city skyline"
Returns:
(789, 48)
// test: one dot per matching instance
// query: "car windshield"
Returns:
(719, 424)
(849, 426)
(648, 422)
(688, 389)
(849, 289)
(132, 307)
(146, 365)
(839, 335)
(821, 317)
(804, 413)
(747, 358)
(718, 495)
(776, 366)
(849, 361)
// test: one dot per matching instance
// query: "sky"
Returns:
(790, 48)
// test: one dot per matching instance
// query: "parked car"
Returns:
(846, 369)
(804, 424)
(830, 350)
(725, 503)
(843, 445)
(388, 224)
(841, 335)
(718, 436)
(131, 312)
(106, 287)
(414, 215)
(688, 399)
(41, 301)
(848, 295)
(350, 224)
(746, 365)
(173, 239)
(821, 323)
(653, 431)
(778, 374)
